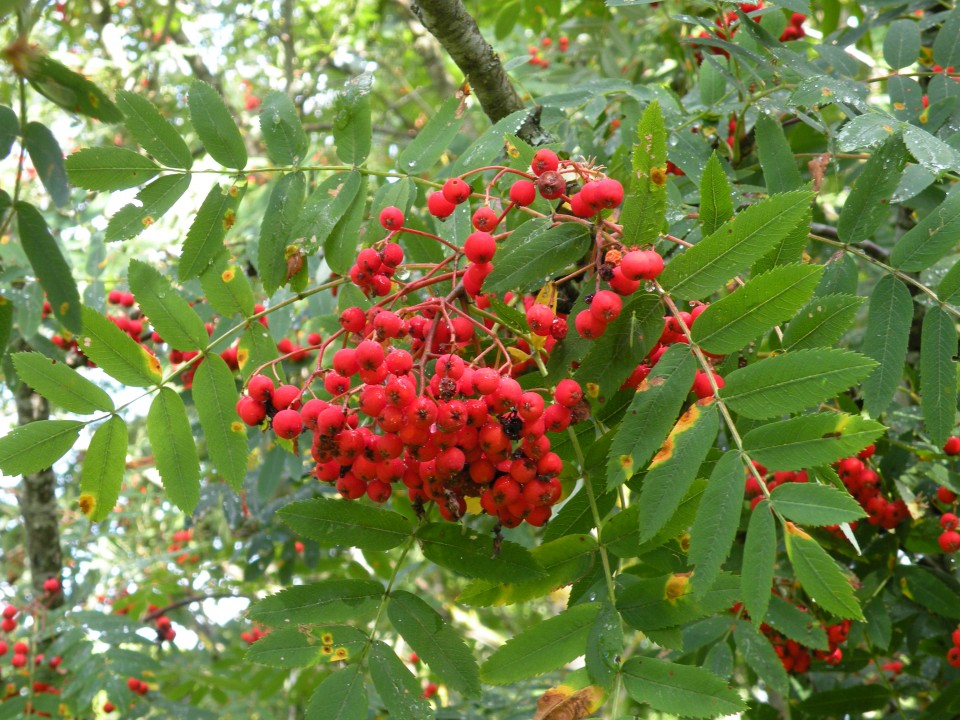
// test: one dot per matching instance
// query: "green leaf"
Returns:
(793, 381)
(60, 384)
(756, 575)
(868, 204)
(776, 158)
(436, 642)
(938, 374)
(284, 649)
(923, 587)
(679, 689)
(328, 601)
(276, 229)
(174, 449)
(819, 575)
(674, 468)
(153, 132)
(325, 207)
(257, 347)
(341, 696)
(760, 656)
(215, 396)
(847, 701)
(649, 418)
(621, 534)
(103, 466)
(73, 92)
(116, 353)
(204, 241)
(47, 159)
(812, 504)
(901, 45)
(152, 202)
(810, 440)
(49, 266)
(109, 168)
(713, 83)
(6, 323)
(821, 322)
(397, 687)
(644, 210)
(645, 605)
(9, 130)
(889, 317)
(34, 447)
(788, 619)
(215, 127)
(168, 313)
(713, 261)
(342, 523)
(340, 246)
(227, 289)
(718, 518)
(542, 647)
(282, 131)
(716, 204)
(471, 553)
(946, 44)
(605, 645)
(767, 299)
(533, 253)
(352, 132)
(626, 341)
(486, 148)
(931, 238)
(426, 148)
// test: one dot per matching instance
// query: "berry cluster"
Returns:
(728, 24)
(796, 658)
(953, 654)
(537, 53)
(137, 686)
(163, 625)
(865, 485)
(251, 636)
(181, 539)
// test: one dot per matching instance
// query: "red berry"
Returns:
(606, 306)
(588, 325)
(114, 297)
(953, 656)
(641, 265)
(9, 612)
(414, 658)
(609, 193)
(439, 206)
(391, 255)
(287, 424)
(949, 541)
(286, 396)
(949, 521)
(109, 707)
(544, 160)
(485, 218)
(480, 247)
(260, 388)
(456, 190)
(568, 392)
(20, 648)
(250, 411)
(579, 206)
(540, 318)
(621, 284)
(701, 384)
(18, 660)
(946, 496)
(353, 319)
(8, 625)
(955, 637)
(523, 193)
(391, 218)
(51, 585)
(368, 260)
(3, 648)
(952, 446)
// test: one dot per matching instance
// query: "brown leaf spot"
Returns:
(88, 503)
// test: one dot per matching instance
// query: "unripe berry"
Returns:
(544, 160)
(480, 247)
(523, 193)
(952, 446)
(439, 206)
(485, 219)
(391, 218)
(456, 190)
(287, 424)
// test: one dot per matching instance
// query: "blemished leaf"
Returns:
(153, 132)
(325, 207)
(821, 322)
(819, 575)
(168, 312)
(174, 449)
(931, 238)
(810, 440)
(756, 576)
(923, 587)
(38, 445)
(616, 353)
(901, 45)
(227, 289)
(533, 253)
(9, 130)
(791, 621)
(931, 152)
(116, 353)
(470, 553)
(425, 149)
(889, 316)
(645, 207)
(101, 474)
(705, 267)
(352, 131)
(718, 517)
(71, 91)
(154, 201)
(675, 466)
(868, 204)
(716, 203)
(61, 384)
(47, 159)
(437, 643)
(682, 690)
(397, 687)
(563, 703)
(284, 649)
(215, 127)
(765, 300)
(651, 414)
(109, 168)
(327, 601)
(49, 266)
(646, 605)
(793, 381)
(857, 699)
(938, 374)
(341, 696)
(276, 229)
(343, 523)
(282, 131)
(215, 396)
(564, 560)
(812, 504)
(776, 158)
(542, 647)
(257, 348)
(760, 656)
(621, 534)
(204, 241)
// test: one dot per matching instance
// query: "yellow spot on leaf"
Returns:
(341, 653)
(658, 176)
(234, 190)
(88, 503)
(147, 221)
(794, 530)
(676, 587)
(229, 218)
(94, 100)
(562, 703)
(64, 308)
(153, 364)
(242, 356)
(326, 650)
(236, 426)
(229, 274)
(327, 639)
(593, 390)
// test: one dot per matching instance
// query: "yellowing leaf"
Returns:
(562, 703)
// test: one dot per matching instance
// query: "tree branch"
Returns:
(456, 30)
